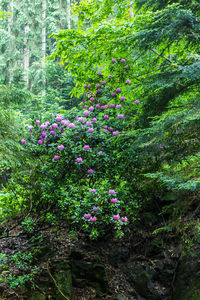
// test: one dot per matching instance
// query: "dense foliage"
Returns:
(115, 139)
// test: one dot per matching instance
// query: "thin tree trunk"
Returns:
(131, 10)
(69, 14)
(26, 55)
(44, 10)
(10, 26)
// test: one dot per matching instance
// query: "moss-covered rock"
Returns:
(63, 279)
(89, 272)
(37, 296)
(142, 278)
(187, 282)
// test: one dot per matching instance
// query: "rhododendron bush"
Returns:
(78, 156)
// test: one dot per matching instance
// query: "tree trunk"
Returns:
(26, 55)
(68, 14)
(44, 10)
(131, 10)
(10, 26)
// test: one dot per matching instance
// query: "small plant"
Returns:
(21, 260)
(3, 261)
(28, 225)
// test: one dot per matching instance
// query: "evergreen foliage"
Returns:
(142, 54)
(161, 42)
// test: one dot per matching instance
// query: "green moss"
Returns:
(63, 278)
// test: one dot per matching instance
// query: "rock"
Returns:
(63, 279)
(143, 279)
(118, 256)
(187, 282)
(37, 296)
(90, 272)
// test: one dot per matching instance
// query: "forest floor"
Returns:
(138, 266)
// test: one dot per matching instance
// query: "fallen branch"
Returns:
(56, 282)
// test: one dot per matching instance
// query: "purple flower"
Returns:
(81, 119)
(90, 171)
(86, 147)
(85, 86)
(63, 122)
(110, 129)
(30, 128)
(118, 106)
(71, 125)
(94, 120)
(103, 82)
(54, 125)
(93, 191)
(87, 216)
(52, 132)
(91, 108)
(111, 192)
(43, 126)
(161, 146)
(100, 74)
(56, 157)
(98, 91)
(95, 208)
(110, 76)
(98, 85)
(118, 90)
(88, 123)
(114, 60)
(120, 116)
(113, 94)
(85, 106)
(137, 101)
(124, 219)
(112, 105)
(106, 117)
(100, 152)
(115, 133)
(103, 107)
(66, 122)
(113, 200)
(106, 106)
(93, 219)
(79, 159)
(58, 119)
(61, 147)
(123, 60)
(91, 130)
(92, 99)
(89, 86)
(23, 142)
(122, 98)
(86, 113)
(126, 67)
(37, 122)
(116, 217)
(97, 105)
(128, 81)
(44, 133)
(40, 142)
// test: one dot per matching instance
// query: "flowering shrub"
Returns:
(79, 171)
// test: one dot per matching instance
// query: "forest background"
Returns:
(149, 50)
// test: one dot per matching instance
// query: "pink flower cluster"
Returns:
(88, 121)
